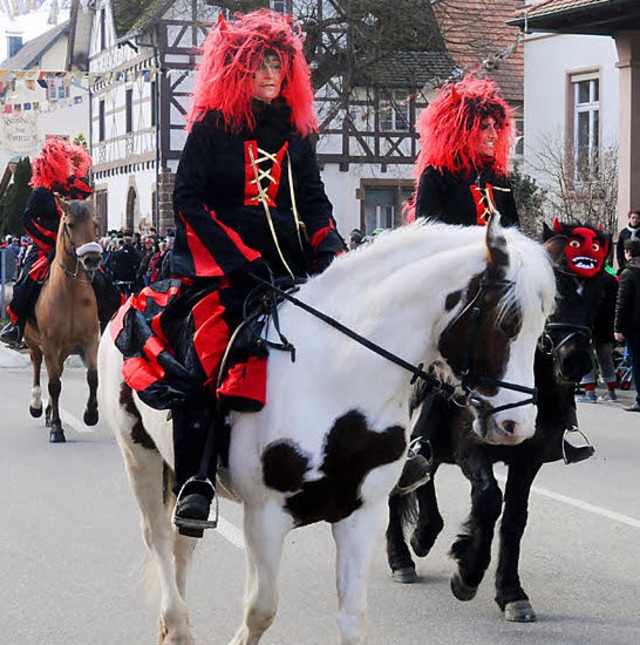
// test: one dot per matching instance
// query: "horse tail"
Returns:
(406, 507)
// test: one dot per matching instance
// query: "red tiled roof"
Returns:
(554, 6)
(475, 31)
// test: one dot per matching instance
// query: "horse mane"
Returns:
(80, 210)
(392, 251)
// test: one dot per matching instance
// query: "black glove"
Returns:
(323, 261)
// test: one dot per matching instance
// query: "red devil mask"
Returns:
(586, 248)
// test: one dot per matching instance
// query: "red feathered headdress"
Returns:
(449, 127)
(80, 160)
(53, 167)
(232, 54)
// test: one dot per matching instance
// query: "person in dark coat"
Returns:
(123, 266)
(248, 196)
(627, 320)
(630, 231)
(466, 134)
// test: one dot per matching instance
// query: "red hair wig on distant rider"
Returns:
(449, 128)
(232, 54)
(53, 166)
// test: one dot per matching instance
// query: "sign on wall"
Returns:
(20, 132)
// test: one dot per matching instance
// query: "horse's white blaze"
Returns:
(392, 292)
(36, 397)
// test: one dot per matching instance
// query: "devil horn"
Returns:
(557, 227)
(222, 23)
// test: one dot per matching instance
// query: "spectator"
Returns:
(629, 232)
(123, 266)
(627, 320)
(355, 239)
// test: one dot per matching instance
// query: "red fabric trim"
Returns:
(162, 299)
(12, 316)
(251, 189)
(483, 210)
(318, 237)
(117, 322)
(156, 328)
(205, 264)
(139, 374)
(245, 386)
(42, 244)
(40, 269)
(212, 333)
(249, 253)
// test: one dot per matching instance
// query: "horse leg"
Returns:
(430, 522)
(90, 416)
(35, 405)
(472, 548)
(510, 595)
(54, 373)
(356, 538)
(265, 529)
(145, 470)
(402, 566)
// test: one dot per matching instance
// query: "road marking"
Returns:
(231, 533)
(585, 506)
(74, 422)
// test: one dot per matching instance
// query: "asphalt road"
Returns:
(72, 561)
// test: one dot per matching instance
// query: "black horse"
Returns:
(562, 358)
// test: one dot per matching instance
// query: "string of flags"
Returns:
(41, 106)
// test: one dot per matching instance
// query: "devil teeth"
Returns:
(589, 263)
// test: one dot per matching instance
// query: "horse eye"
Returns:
(70, 226)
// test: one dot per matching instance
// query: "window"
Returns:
(57, 89)
(102, 211)
(131, 208)
(279, 6)
(383, 206)
(519, 150)
(101, 121)
(586, 124)
(129, 110)
(103, 29)
(14, 44)
(394, 111)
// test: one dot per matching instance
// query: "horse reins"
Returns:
(416, 370)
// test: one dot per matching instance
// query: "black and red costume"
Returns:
(466, 200)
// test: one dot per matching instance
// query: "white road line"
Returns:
(73, 421)
(231, 533)
(585, 506)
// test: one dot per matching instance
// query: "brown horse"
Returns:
(66, 314)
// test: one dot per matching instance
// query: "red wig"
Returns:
(449, 128)
(232, 54)
(53, 167)
(80, 160)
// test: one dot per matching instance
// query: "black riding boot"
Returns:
(194, 488)
(12, 335)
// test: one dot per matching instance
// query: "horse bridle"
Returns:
(546, 343)
(418, 372)
(84, 248)
(469, 383)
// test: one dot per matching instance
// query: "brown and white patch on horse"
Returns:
(351, 451)
(138, 433)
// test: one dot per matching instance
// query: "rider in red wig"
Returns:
(233, 53)
(466, 134)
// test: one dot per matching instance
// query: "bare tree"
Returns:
(588, 193)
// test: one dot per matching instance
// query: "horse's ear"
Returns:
(547, 232)
(555, 246)
(496, 243)
(62, 203)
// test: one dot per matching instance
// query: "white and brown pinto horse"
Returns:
(331, 442)
(66, 314)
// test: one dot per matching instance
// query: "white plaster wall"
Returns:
(548, 60)
(118, 186)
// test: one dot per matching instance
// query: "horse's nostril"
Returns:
(509, 426)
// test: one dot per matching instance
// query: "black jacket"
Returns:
(41, 219)
(628, 302)
(454, 200)
(124, 263)
(221, 226)
(606, 311)
(625, 234)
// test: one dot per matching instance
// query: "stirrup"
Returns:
(578, 453)
(191, 526)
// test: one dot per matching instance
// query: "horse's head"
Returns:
(78, 233)
(490, 338)
(567, 332)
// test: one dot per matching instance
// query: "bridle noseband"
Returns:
(76, 253)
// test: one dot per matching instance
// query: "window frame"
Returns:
(593, 109)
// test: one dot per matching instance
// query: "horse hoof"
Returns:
(35, 412)
(90, 418)
(460, 589)
(519, 611)
(405, 575)
(418, 549)
(57, 436)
